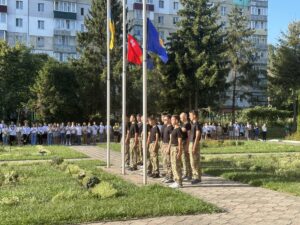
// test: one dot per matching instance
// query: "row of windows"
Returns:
(148, 1)
(263, 25)
(58, 6)
(258, 11)
(161, 5)
(59, 24)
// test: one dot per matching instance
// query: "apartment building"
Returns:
(48, 26)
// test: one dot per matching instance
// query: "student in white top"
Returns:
(68, 134)
(94, 132)
(33, 134)
(79, 133)
(264, 132)
(101, 132)
(19, 134)
(12, 133)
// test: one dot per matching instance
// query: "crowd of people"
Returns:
(52, 134)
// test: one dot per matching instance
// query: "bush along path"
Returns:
(243, 204)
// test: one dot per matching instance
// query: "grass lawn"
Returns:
(32, 153)
(230, 147)
(279, 173)
(40, 182)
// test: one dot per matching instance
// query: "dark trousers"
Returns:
(264, 134)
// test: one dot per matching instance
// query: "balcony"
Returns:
(259, 18)
(3, 8)
(62, 32)
(259, 3)
(64, 48)
(65, 15)
(139, 6)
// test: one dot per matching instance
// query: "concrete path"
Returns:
(243, 204)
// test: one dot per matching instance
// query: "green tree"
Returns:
(284, 66)
(18, 70)
(196, 66)
(91, 67)
(239, 52)
(54, 94)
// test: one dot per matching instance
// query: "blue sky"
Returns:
(281, 13)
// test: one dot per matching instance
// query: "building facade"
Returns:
(48, 26)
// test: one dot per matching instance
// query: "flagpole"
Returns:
(124, 89)
(145, 92)
(108, 87)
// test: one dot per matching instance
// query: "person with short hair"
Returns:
(12, 130)
(78, 134)
(176, 152)
(194, 147)
(264, 132)
(50, 134)
(68, 134)
(186, 164)
(95, 129)
(165, 148)
(133, 142)
(5, 134)
(25, 133)
(62, 130)
(19, 134)
(154, 137)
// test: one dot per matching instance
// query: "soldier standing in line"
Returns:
(176, 152)
(133, 142)
(194, 147)
(140, 148)
(154, 137)
(186, 164)
(165, 148)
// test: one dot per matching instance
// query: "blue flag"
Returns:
(155, 44)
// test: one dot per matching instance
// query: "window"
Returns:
(82, 27)
(161, 4)
(2, 17)
(65, 6)
(223, 10)
(41, 7)
(175, 5)
(161, 19)
(41, 24)
(138, 14)
(19, 4)
(175, 20)
(2, 2)
(19, 22)
(40, 42)
(19, 38)
(82, 11)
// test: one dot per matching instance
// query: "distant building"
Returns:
(48, 26)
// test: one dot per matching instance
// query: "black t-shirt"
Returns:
(140, 126)
(133, 130)
(165, 133)
(194, 128)
(176, 133)
(154, 130)
(187, 127)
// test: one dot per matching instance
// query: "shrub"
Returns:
(63, 166)
(11, 177)
(73, 169)
(104, 190)
(14, 200)
(90, 181)
(57, 160)
(256, 183)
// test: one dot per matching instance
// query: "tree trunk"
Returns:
(233, 97)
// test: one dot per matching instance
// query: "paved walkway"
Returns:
(243, 204)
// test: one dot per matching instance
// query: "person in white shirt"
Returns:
(73, 133)
(101, 132)
(33, 134)
(50, 134)
(12, 133)
(84, 133)
(79, 133)
(62, 130)
(264, 132)
(236, 130)
(26, 133)
(40, 132)
(19, 134)
(94, 132)
(5, 134)
(45, 133)
(89, 133)
(68, 134)
(2, 124)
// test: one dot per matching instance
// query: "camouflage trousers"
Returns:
(195, 161)
(140, 151)
(176, 165)
(185, 157)
(153, 150)
(166, 160)
(133, 153)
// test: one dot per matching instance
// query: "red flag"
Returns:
(135, 53)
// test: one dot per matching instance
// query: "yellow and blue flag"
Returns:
(155, 43)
